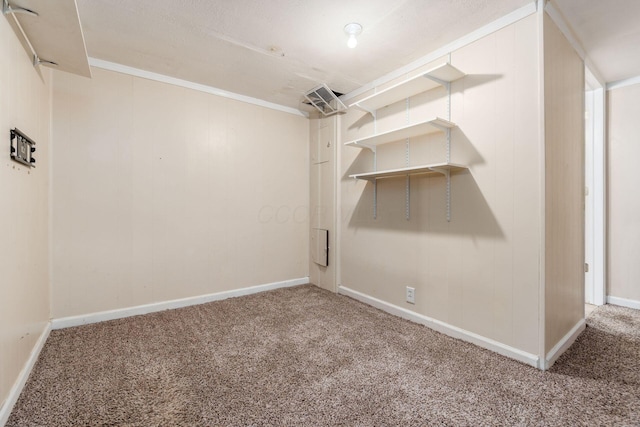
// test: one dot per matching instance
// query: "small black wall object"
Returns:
(22, 148)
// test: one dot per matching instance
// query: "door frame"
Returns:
(595, 191)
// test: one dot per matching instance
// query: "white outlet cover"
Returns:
(411, 295)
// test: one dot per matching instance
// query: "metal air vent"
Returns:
(325, 100)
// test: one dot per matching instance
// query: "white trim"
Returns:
(337, 182)
(591, 81)
(18, 385)
(565, 28)
(124, 69)
(445, 328)
(85, 319)
(623, 83)
(623, 302)
(558, 18)
(564, 344)
(589, 200)
(473, 36)
(597, 197)
(542, 200)
(52, 76)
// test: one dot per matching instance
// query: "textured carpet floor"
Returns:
(305, 357)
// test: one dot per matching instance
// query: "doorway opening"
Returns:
(594, 211)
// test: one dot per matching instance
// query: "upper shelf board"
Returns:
(55, 34)
(423, 128)
(412, 170)
(438, 76)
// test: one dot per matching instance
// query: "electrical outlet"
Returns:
(411, 295)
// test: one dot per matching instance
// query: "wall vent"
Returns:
(325, 100)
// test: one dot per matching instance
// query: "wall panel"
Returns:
(163, 192)
(479, 272)
(24, 224)
(564, 185)
(623, 220)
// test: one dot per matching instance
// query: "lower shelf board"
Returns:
(436, 168)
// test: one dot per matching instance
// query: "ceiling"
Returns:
(609, 32)
(276, 50)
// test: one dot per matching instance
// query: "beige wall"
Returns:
(479, 272)
(564, 183)
(322, 204)
(24, 240)
(162, 192)
(623, 216)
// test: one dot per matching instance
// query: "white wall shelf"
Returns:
(423, 128)
(436, 168)
(441, 75)
(437, 76)
(51, 33)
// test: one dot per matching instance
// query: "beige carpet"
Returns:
(305, 357)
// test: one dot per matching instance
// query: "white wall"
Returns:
(24, 239)
(162, 192)
(623, 216)
(479, 272)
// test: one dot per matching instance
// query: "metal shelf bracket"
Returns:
(375, 199)
(7, 8)
(39, 61)
(375, 184)
(407, 203)
(447, 174)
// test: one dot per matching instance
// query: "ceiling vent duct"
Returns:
(325, 100)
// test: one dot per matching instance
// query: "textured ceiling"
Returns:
(609, 32)
(276, 50)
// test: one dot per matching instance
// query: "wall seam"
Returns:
(542, 268)
(50, 197)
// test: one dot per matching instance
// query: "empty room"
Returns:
(302, 213)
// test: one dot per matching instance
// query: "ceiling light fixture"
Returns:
(352, 30)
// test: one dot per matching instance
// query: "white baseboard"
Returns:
(85, 319)
(623, 302)
(563, 344)
(445, 328)
(15, 391)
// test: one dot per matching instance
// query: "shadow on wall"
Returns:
(362, 163)
(428, 97)
(473, 80)
(470, 211)
(463, 152)
(471, 214)
(365, 120)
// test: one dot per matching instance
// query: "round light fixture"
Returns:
(352, 30)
